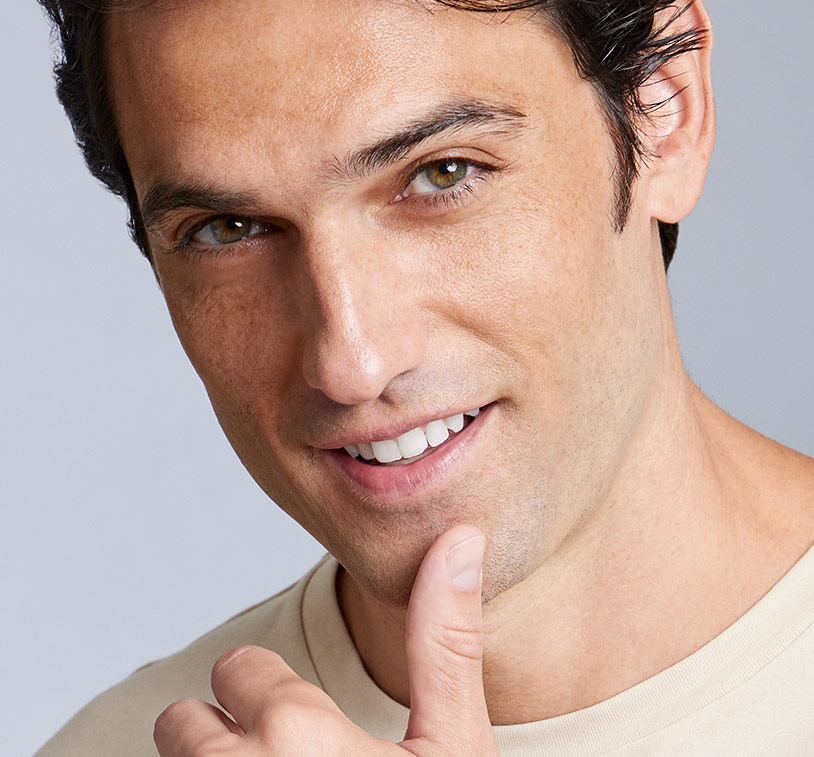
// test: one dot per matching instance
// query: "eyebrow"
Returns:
(165, 197)
(449, 117)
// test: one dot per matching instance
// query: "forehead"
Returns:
(276, 79)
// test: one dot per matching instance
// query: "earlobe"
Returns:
(680, 132)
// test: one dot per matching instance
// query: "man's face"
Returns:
(469, 263)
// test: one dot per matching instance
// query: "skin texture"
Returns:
(277, 713)
(614, 497)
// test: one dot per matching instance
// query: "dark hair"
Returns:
(616, 46)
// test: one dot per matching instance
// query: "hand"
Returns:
(277, 713)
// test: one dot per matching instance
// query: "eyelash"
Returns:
(187, 247)
(454, 195)
(445, 199)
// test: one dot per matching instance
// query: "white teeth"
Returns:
(436, 433)
(412, 443)
(386, 451)
(455, 422)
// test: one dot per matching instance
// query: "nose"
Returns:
(363, 326)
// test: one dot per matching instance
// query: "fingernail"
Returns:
(464, 562)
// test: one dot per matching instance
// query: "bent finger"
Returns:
(259, 689)
(186, 726)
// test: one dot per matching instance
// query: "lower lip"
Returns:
(391, 482)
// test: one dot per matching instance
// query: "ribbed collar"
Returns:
(717, 668)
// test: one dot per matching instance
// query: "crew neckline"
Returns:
(720, 666)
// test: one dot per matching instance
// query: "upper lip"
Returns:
(381, 432)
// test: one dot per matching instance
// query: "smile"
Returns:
(435, 453)
(414, 444)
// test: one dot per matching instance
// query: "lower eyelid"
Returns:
(189, 238)
(472, 169)
(188, 245)
(455, 193)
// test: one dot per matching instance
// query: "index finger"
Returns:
(261, 692)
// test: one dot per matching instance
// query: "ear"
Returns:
(680, 134)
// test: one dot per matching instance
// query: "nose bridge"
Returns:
(363, 327)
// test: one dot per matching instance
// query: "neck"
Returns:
(663, 564)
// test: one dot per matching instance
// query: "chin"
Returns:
(390, 581)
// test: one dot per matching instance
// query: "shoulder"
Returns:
(120, 720)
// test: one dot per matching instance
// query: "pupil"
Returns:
(228, 229)
(446, 173)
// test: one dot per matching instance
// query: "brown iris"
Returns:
(229, 229)
(445, 173)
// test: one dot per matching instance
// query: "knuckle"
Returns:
(240, 657)
(286, 718)
(462, 642)
(283, 691)
(236, 664)
(301, 714)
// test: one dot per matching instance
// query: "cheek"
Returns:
(549, 283)
(241, 339)
(232, 325)
(532, 277)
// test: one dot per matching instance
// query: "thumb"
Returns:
(445, 650)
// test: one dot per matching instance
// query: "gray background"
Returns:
(128, 527)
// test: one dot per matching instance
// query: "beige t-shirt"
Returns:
(748, 692)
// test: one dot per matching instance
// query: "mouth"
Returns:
(413, 445)
(394, 470)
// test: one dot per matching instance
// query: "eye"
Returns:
(439, 175)
(226, 230)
